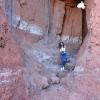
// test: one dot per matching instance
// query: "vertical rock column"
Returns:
(67, 21)
(89, 54)
(87, 79)
(72, 25)
(58, 12)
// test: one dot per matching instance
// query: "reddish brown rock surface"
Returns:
(89, 55)
(55, 17)
(11, 81)
(29, 63)
(10, 55)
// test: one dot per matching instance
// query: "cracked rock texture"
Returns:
(8, 46)
(29, 54)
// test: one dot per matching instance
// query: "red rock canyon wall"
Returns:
(20, 75)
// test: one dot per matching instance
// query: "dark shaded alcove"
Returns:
(84, 25)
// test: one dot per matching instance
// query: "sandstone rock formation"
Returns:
(43, 17)
(8, 47)
(11, 80)
(90, 49)
(29, 61)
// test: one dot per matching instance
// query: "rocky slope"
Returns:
(29, 63)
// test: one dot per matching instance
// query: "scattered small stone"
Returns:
(54, 79)
(61, 74)
(44, 83)
(70, 66)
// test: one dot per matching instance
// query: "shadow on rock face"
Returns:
(70, 66)
(2, 42)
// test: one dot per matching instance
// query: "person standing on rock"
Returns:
(63, 55)
(80, 4)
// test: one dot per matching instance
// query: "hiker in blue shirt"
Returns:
(63, 55)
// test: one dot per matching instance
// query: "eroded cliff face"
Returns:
(88, 61)
(10, 63)
(29, 63)
(91, 44)
(8, 47)
(49, 17)
(69, 27)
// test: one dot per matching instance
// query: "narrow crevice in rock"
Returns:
(50, 16)
(2, 42)
(84, 25)
(64, 18)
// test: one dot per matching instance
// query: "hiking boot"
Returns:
(62, 68)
